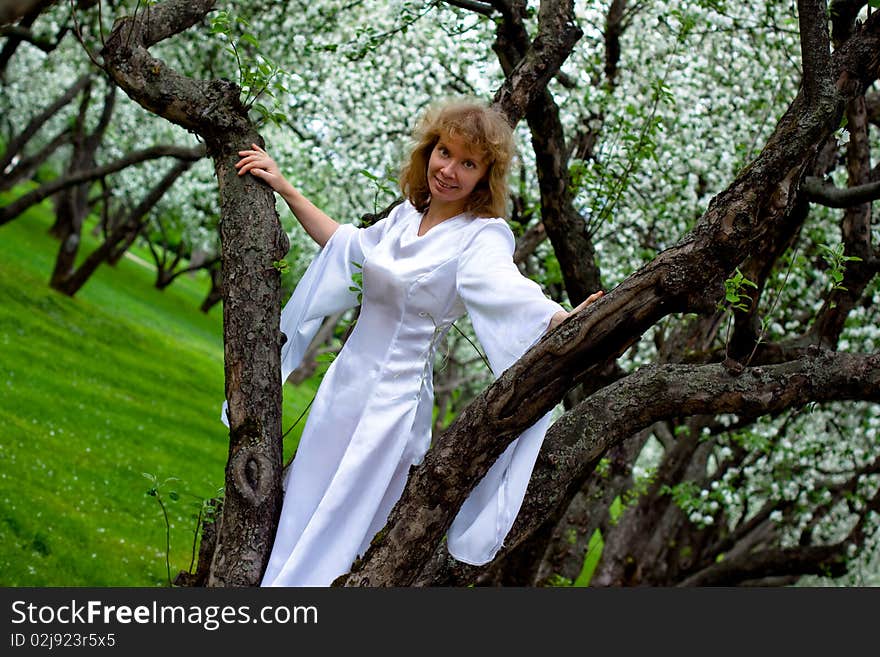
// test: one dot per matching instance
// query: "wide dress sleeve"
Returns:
(509, 313)
(324, 289)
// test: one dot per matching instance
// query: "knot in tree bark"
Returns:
(251, 472)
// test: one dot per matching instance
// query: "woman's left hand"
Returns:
(561, 316)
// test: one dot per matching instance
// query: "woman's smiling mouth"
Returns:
(444, 185)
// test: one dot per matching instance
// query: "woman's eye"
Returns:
(470, 165)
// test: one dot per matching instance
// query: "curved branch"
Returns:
(205, 107)
(162, 21)
(825, 193)
(9, 212)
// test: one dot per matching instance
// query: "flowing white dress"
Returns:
(371, 418)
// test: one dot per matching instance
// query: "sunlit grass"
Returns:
(95, 390)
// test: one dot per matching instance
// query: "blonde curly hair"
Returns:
(485, 130)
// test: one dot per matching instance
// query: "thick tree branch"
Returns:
(576, 442)
(557, 34)
(161, 21)
(843, 15)
(211, 108)
(815, 49)
(825, 193)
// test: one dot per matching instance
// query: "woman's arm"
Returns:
(317, 224)
(559, 317)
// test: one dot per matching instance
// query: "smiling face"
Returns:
(454, 170)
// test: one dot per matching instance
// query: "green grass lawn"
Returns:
(96, 390)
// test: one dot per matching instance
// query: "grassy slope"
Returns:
(94, 391)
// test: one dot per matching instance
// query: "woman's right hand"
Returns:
(260, 164)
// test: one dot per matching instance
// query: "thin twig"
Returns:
(79, 37)
(773, 305)
(101, 21)
(473, 345)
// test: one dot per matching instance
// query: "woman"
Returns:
(440, 254)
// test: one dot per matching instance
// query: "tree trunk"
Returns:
(215, 294)
(252, 239)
